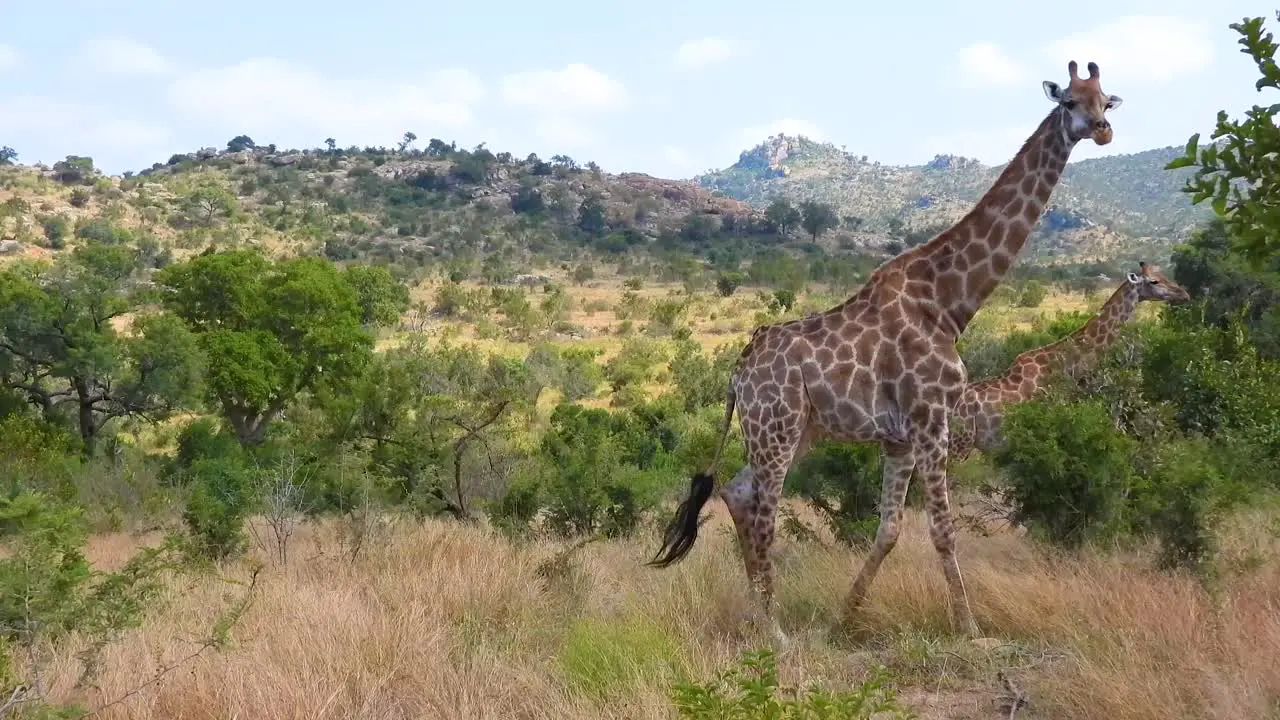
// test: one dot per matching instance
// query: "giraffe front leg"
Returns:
(899, 461)
(932, 467)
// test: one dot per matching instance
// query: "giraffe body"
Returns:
(882, 366)
(976, 419)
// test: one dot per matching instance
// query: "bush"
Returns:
(48, 590)
(842, 482)
(1033, 294)
(221, 497)
(56, 230)
(1184, 499)
(750, 690)
(1068, 468)
(729, 282)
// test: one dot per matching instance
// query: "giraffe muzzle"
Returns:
(1102, 134)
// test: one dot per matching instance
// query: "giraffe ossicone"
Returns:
(882, 367)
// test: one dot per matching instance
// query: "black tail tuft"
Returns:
(683, 529)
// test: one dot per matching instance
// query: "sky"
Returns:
(667, 88)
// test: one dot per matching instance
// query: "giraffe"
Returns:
(976, 418)
(882, 367)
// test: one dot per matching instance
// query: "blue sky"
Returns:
(667, 88)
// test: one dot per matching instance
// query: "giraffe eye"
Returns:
(1070, 104)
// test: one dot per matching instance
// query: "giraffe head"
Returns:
(1153, 285)
(1085, 104)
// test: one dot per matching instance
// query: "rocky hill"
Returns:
(446, 203)
(497, 214)
(1102, 204)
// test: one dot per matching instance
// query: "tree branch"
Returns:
(461, 443)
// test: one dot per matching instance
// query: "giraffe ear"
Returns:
(1134, 278)
(1113, 101)
(1052, 90)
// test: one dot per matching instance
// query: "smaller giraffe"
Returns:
(976, 418)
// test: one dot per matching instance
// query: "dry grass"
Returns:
(440, 620)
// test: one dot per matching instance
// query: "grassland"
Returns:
(442, 620)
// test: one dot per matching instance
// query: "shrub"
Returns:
(750, 690)
(1033, 294)
(221, 497)
(1068, 468)
(1184, 498)
(49, 591)
(842, 482)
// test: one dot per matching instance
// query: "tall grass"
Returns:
(445, 621)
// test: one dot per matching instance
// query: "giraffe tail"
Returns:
(681, 533)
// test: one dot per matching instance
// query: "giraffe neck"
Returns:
(973, 256)
(1103, 328)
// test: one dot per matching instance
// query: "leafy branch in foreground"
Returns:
(1236, 172)
(49, 594)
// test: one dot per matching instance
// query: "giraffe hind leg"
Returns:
(932, 466)
(899, 462)
(753, 499)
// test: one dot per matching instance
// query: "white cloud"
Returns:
(560, 134)
(705, 52)
(9, 58)
(575, 88)
(1138, 48)
(752, 136)
(676, 162)
(271, 96)
(71, 128)
(121, 56)
(986, 65)
(675, 156)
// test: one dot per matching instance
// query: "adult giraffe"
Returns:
(882, 367)
(976, 419)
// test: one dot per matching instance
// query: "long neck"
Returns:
(1102, 329)
(975, 255)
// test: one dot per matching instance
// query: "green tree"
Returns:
(207, 202)
(8, 155)
(435, 416)
(59, 347)
(270, 331)
(331, 144)
(728, 283)
(240, 143)
(382, 298)
(817, 218)
(782, 215)
(406, 141)
(591, 216)
(1237, 172)
(1033, 294)
(74, 170)
(528, 200)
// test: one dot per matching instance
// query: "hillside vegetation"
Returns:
(1102, 205)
